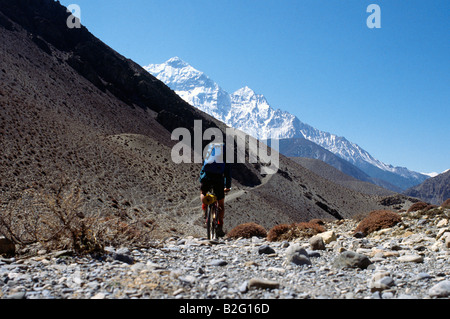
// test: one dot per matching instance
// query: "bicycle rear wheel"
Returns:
(208, 222)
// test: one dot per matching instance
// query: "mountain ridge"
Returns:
(298, 148)
(434, 190)
(251, 112)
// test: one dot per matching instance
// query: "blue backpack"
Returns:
(215, 159)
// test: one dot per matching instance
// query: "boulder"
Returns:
(317, 243)
(297, 255)
(327, 236)
(350, 259)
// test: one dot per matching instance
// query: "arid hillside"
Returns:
(86, 140)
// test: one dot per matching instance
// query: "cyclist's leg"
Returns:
(219, 191)
(221, 210)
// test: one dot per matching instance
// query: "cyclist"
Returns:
(216, 175)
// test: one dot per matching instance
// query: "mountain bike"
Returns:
(212, 215)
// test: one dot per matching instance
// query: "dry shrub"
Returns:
(277, 232)
(423, 208)
(377, 220)
(43, 217)
(113, 231)
(295, 230)
(317, 221)
(358, 217)
(247, 230)
(418, 206)
(446, 204)
(57, 220)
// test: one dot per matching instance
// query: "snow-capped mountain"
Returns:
(250, 112)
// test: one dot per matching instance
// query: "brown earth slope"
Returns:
(74, 114)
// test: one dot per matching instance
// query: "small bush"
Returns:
(247, 230)
(57, 220)
(446, 204)
(377, 220)
(417, 206)
(277, 232)
(317, 221)
(295, 230)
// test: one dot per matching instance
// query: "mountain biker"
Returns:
(216, 175)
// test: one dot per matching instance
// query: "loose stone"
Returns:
(265, 249)
(218, 262)
(352, 260)
(297, 255)
(317, 243)
(441, 289)
(411, 258)
(194, 268)
(259, 283)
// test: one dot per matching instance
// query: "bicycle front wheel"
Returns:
(210, 222)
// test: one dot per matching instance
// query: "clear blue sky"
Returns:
(388, 89)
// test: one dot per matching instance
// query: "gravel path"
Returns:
(408, 261)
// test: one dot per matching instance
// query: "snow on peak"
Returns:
(244, 109)
(245, 91)
(434, 174)
(176, 62)
(251, 113)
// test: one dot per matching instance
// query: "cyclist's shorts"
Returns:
(214, 184)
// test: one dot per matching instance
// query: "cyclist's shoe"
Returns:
(219, 231)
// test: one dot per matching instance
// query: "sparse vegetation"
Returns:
(418, 206)
(57, 220)
(446, 204)
(247, 230)
(294, 230)
(392, 200)
(377, 220)
(422, 208)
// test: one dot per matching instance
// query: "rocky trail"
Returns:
(407, 261)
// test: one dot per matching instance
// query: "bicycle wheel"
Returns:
(211, 222)
(208, 222)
